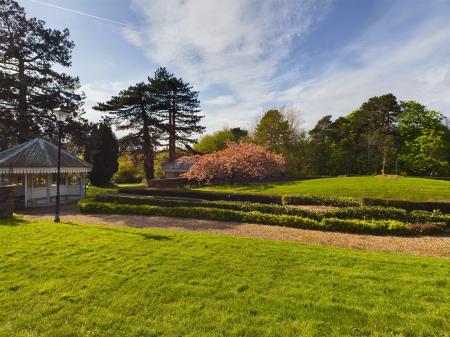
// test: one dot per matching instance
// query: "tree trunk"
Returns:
(147, 147)
(172, 137)
(149, 157)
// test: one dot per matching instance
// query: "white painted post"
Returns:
(26, 189)
(82, 185)
(31, 189)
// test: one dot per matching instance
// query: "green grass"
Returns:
(82, 280)
(93, 190)
(403, 188)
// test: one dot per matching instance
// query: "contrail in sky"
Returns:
(79, 13)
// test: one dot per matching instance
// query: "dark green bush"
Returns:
(260, 198)
(366, 226)
(346, 225)
(313, 200)
(362, 212)
(368, 213)
(425, 217)
(231, 205)
(409, 205)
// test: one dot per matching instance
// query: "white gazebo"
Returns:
(32, 166)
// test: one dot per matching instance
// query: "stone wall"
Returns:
(6, 201)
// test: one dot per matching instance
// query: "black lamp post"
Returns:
(61, 116)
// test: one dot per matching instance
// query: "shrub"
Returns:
(366, 226)
(313, 200)
(367, 213)
(346, 225)
(231, 205)
(261, 198)
(362, 212)
(238, 162)
(425, 216)
(409, 205)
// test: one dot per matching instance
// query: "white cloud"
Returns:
(133, 36)
(414, 68)
(236, 44)
(221, 100)
(100, 91)
(242, 45)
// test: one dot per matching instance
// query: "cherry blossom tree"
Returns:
(237, 163)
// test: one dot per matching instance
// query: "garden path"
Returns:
(438, 246)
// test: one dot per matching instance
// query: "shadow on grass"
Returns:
(147, 236)
(16, 220)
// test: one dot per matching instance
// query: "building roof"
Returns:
(176, 166)
(39, 156)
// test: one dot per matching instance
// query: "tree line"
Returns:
(383, 136)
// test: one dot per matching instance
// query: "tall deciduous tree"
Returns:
(102, 151)
(278, 131)
(30, 84)
(217, 141)
(178, 105)
(424, 147)
(134, 110)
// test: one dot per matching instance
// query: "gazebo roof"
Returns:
(39, 156)
(177, 166)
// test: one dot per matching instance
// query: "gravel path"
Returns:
(438, 246)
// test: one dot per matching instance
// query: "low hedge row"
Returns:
(313, 200)
(260, 198)
(362, 212)
(409, 205)
(185, 202)
(332, 224)
(377, 212)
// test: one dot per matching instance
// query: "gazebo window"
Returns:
(73, 179)
(40, 180)
(4, 180)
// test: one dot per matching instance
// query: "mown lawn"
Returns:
(82, 280)
(414, 189)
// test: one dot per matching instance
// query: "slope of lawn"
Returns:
(82, 280)
(403, 188)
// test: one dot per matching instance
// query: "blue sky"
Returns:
(244, 56)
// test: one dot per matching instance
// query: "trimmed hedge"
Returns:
(313, 200)
(347, 225)
(252, 197)
(409, 205)
(362, 213)
(290, 199)
(185, 202)
(260, 198)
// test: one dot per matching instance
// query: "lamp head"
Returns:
(60, 114)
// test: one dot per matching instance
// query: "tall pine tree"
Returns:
(178, 106)
(30, 86)
(133, 110)
(102, 151)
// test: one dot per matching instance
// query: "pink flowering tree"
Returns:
(237, 163)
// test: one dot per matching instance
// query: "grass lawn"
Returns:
(83, 280)
(414, 189)
(92, 190)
